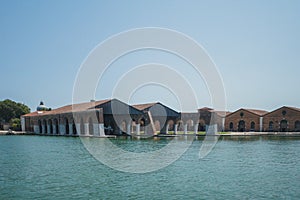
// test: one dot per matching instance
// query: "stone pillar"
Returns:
(138, 129)
(167, 129)
(223, 124)
(261, 124)
(175, 128)
(54, 129)
(71, 129)
(185, 128)
(62, 129)
(128, 131)
(36, 129)
(96, 129)
(86, 129)
(196, 128)
(23, 124)
(48, 128)
(43, 129)
(101, 129)
(78, 129)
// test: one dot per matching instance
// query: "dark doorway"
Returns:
(241, 127)
(67, 126)
(283, 125)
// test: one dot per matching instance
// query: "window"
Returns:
(231, 126)
(271, 124)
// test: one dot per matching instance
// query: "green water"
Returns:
(40, 167)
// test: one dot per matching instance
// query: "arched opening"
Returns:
(180, 125)
(241, 127)
(252, 126)
(74, 130)
(91, 127)
(283, 125)
(201, 126)
(170, 125)
(67, 126)
(50, 126)
(297, 126)
(40, 126)
(45, 126)
(231, 126)
(56, 126)
(157, 125)
(271, 126)
(82, 132)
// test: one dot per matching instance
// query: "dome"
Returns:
(42, 107)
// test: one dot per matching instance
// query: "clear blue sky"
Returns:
(255, 45)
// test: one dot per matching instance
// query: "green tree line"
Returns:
(11, 111)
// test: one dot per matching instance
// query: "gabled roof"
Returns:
(69, 108)
(144, 106)
(253, 111)
(288, 107)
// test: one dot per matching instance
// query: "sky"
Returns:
(255, 46)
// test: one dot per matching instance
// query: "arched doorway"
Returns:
(40, 126)
(50, 126)
(252, 126)
(231, 126)
(45, 126)
(170, 125)
(67, 126)
(201, 126)
(283, 125)
(91, 127)
(241, 127)
(74, 130)
(190, 125)
(297, 126)
(271, 126)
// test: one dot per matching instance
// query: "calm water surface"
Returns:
(41, 167)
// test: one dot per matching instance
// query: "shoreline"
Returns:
(163, 135)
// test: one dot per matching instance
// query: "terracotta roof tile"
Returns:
(143, 106)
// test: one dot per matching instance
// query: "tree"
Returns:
(9, 110)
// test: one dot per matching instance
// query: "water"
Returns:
(40, 167)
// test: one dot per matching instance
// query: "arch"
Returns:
(82, 132)
(157, 125)
(45, 126)
(67, 126)
(283, 125)
(55, 121)
(252, 126)
(50, 126)
(231, 126)
(170, 125)
(74, 130)
(40, 126)
(180, 125)
(91, 127)
(297, 125)
(271, 126)
(201, 126)
(241, 126)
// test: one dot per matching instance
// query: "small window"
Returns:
(252, 126)
(231, 126)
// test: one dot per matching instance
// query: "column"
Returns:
(62, 129)
(261, 124)
(175, 128)
(138, 129)
(78, 129)
(185, 128)
(43, 129)
(167, 129)
(196, 128)
(48, 128)
(71, 129)
(96, 129)
(223, 124)
(36, 129)
(86, 129)
(101, 129)
(54, 129)
(128, 129)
